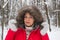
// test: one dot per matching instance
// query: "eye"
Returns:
(30, 17)
(25, 17)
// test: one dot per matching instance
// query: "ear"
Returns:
(45, 29)
(11, 25)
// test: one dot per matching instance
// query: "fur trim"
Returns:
(45, 29)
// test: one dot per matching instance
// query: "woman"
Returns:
(30, 25)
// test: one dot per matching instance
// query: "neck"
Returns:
(29, 26)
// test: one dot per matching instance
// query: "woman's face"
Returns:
(28, 20)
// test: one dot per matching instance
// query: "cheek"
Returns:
(31, 21)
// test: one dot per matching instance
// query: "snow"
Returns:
(0, 32)
(54, 34)
(5, 32)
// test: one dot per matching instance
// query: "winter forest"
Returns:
(50, 10)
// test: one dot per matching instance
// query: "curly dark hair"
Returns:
(32, 10)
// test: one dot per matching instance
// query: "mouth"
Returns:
(28, 22)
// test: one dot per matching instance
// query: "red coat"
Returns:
(20, 34)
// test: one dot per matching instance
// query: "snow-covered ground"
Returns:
(54, 34)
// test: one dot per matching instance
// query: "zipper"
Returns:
(29, 35)
(32, 32)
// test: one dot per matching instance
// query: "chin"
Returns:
(28, 25)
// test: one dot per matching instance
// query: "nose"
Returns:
(28, 19)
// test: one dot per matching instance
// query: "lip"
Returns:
(27, 22)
